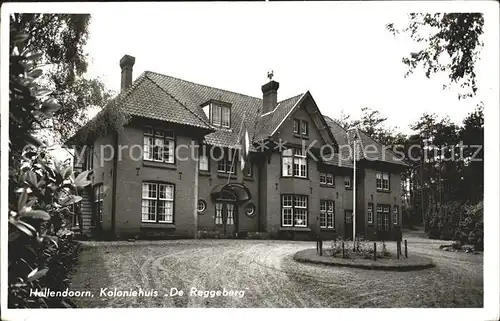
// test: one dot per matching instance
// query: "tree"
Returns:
(58, 41)
(451, 44)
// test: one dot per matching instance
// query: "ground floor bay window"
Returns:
(294, 210)
(157, 202)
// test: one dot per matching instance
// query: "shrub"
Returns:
(457, 221)
(41, 251)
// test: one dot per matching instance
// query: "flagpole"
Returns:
(239, 136)
(354, 195)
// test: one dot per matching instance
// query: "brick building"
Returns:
(299, 183)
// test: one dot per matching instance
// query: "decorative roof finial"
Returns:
(270, 74)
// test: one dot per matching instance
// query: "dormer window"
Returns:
(219, 114)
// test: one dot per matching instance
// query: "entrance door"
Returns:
(226, 219)
(383, 226)
(348, 225)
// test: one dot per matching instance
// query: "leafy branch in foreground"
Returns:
(42, 191)
(451, 44)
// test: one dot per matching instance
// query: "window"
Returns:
(294, 210)
(225, 117)
(218, 213)
(327, 214)
(348, 216)
(88, 163)
(203, 163)
(250, 210)
(347, 181)
(383, 181)
(98, 200)
(304, 130)
(202, 206)
(296, 125)
(326, 179)
(230, 214)
(383, 217)
(226, 164)
(395, 215)
(157, 202)
(221, 115)
(370, 213)
(294, 162)
(159, 145)
(386, 218)
(300, 128)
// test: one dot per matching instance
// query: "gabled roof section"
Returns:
(270, 121)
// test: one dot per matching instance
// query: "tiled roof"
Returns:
(151, 100)
(379, 152)
(157, 96)
(268, 122)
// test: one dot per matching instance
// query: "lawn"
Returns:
(267, 273)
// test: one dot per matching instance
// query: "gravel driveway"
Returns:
(268, 275)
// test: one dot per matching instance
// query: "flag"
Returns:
(245, 145)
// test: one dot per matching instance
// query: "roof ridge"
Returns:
(180, 103)
(198, 84)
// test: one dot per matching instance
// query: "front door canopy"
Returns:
(231, 192)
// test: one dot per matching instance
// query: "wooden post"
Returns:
(374, 251)
(343, 253)
(398, 248)
(406, 249)
(320, 247)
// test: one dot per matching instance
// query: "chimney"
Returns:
(269, 96)
(126, 63)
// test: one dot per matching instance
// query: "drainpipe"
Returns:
(115, 170)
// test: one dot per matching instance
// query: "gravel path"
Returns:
(269, 277)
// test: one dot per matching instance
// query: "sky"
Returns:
(342, 53)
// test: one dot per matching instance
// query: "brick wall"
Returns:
(209, 180)
(130, 175)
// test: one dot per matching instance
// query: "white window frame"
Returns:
(216, 115)
(304, 128)
(218, 213)
(299, 163)
(293, 206)
(220, 116)
(395, 215)
(370, 213)
(383, 181)
(225, 117)
(230, 214)
(327, 214)
(166, 200)
(227, 161)
(159, 145)
(347, 181)
(203, 162)
(296, 126)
